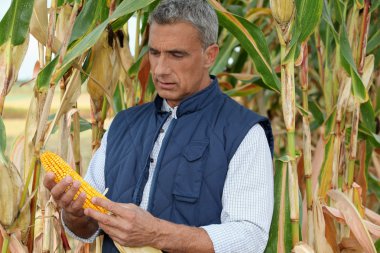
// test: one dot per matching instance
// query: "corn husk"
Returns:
(283, 11)
(10, 191)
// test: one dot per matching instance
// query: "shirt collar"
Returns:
(195, 102)
(167, 108)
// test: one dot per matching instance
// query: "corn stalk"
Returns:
(284, 15)
(356, 113)
(304, 78)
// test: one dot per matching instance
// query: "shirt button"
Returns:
(162, 130)
(151, 160)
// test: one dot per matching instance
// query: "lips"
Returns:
(165, 85)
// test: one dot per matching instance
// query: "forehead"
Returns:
(174, 35)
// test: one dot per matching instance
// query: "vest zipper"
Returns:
(137, 195)
(159, 160)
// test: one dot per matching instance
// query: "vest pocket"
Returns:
(188, 179)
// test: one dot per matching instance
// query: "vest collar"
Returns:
(195, 102)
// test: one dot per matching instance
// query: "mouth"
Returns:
(165, 85)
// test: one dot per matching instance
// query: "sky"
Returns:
(26, 70)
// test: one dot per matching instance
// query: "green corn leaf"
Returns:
(360, 3)
(84, 125)
(358, 89)
(317, 114)
(309, 13)
(325, 176)
(44, 77)
(93, 12)
(330, 124)
(224, 54)
(253, 41)
(340, 11)
(118, 23)
(15, 24)
(135, 68)
(326, 15)
(368, 115)
(373, 42)
(281, 213)
(89, 40)
(247, 90)
(118, 98)
(377, 108)
(375, 5)
(3, 136)
(302, 110)
(374, 185)
(366, 134)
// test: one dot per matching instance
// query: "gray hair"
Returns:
(196, 12)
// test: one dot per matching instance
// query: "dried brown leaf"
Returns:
(17, 153)
(321, 244)
(105, 72)
(30, 131)
(350, 245)
(372, 216)
(39, 25)
(317, 160)
(302, 247)
(70, 97)
(353, 220)
(368, 70)
(16, 54)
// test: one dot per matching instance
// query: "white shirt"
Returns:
(247, 195)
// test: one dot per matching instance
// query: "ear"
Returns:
(210, 54)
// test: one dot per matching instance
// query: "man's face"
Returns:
(179, 63)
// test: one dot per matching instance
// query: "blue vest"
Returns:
(192, 165)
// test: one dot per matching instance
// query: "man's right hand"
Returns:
(63, 198)
(63, 194)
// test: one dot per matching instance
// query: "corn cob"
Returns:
(54, 163)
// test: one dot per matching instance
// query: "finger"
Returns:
(109, 205)
(60, 188)
(77, 205)
(111, 232)
(68, 197)
(49, 180)
(106, 219)
(119, 240)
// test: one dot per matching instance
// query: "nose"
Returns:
(162, 66)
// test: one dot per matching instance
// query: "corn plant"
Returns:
(311, 66)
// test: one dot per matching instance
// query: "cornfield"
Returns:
(311, 66)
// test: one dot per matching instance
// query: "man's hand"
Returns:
(63, 198)
(63, 194)
(129, 225)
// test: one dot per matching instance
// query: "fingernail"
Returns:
(76, 184)
(93, 200)
(68, 179)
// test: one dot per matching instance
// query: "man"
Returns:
(189, 172)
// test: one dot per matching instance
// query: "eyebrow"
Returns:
(172, 51)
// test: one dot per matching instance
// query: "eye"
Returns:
(178, 55)
(154, 52)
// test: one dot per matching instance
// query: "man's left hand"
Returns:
(129, 225)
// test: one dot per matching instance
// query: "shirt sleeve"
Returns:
(95, 177)
(248, 198)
